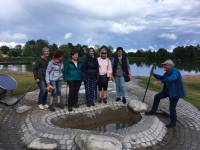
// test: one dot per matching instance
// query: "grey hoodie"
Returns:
(54, 72)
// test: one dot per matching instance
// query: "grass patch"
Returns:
(25, 82)
(192, 85)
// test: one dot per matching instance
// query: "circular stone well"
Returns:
(138, 132)
(107, 119)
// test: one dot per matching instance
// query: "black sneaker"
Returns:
(88, 105)
(150, 113)
(118, 99)
(92, 104)
(51, 108)
(124, 100)
(61, 106)
(69, 108)
(76, 106)
(171, 125)
(100, 100)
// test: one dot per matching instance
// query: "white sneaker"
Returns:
(46, 106)
(41, 106)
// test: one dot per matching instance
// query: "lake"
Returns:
(136, 70)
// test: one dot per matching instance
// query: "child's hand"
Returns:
(50, 88)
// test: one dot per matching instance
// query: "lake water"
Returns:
(136, 70)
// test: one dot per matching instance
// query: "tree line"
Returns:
(33, 48)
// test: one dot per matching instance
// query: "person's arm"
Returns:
(110, 69)
(159, 77)
(65, 71)
(172, 77)
(62, 67)
(128, 66)
(48, 70)
(35, 70)
(84, 68)
(97, 69)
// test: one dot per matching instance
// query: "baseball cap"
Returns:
(169, 61)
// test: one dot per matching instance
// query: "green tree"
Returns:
(162, 54)
(18, 49)
(29, 49)
(4, 49)
(52, 49)
(66, 49)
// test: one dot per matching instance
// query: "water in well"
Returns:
(108, 119)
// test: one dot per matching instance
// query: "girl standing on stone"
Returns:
(53, 78)
(73, 76)
(91, 70)
(105, 74)
(121, 69)
(39, 71)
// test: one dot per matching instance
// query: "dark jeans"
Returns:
(42, 98)
(74, 86)
(172, 106)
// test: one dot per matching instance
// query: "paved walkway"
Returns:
(184, 137)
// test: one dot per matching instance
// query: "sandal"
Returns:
(105, 100)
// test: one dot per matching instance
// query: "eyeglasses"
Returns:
(103, 53)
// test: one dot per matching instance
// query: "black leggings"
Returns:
(74, 86)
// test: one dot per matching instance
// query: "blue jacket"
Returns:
(173, 83)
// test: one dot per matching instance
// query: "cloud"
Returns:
(125, 28)
(9, 9)
(131, 24)
(131, 50)
(68, 35)
(11, 44)
(7, 37)
(169, 36)
(172, 47)
(89, 40)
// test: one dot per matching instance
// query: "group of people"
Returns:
(94, 72)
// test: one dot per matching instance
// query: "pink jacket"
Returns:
(105, 66)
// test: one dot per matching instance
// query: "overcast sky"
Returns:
(132, 24)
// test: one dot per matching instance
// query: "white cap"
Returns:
(169, 61)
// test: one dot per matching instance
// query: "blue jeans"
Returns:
(42, 98)
(120, 86)
(57, 86)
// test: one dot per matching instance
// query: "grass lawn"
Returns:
(192, 85)
(25, 82)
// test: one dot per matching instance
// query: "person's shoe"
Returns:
(76, 106)
(150, 113)
(118, 99)
(105, 100)
(46, 106)
(100, 100)
(171, 125)
(51, 108)
(92, 104)
(41, 106)
(88, 105)
(61, 106)
(69, 108)
(124, 100)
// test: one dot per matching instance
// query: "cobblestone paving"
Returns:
(184, 137)
(187, 133)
